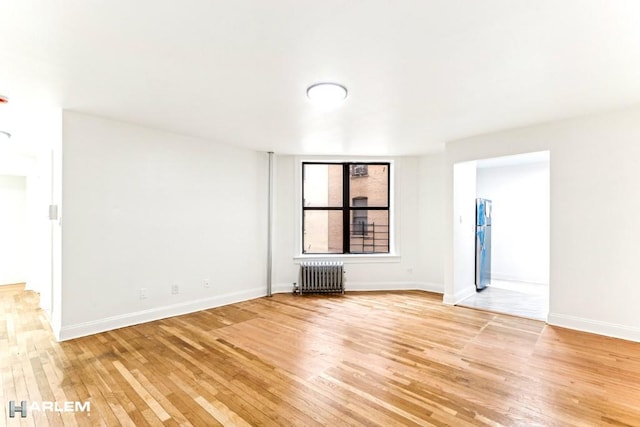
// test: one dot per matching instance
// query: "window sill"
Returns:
(349, 258)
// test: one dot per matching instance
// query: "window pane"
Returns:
(322, 232)
(322, 185)
(359, 217)
(369, 232)
(370, 182)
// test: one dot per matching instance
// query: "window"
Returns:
(345, 208)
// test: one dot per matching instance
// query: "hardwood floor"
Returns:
(399, 358)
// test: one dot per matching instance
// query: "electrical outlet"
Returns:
(206, 283)
(175, 289)
(143, 293)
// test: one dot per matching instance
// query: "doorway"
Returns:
(13, 229)
(30, 158)
(518, 187)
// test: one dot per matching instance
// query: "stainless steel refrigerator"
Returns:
(483, 243)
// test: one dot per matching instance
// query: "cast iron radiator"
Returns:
(321, 277)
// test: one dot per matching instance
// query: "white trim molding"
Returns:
(613, 330)
(511, 278)
(459, 296)
(284, 288)
(393, 286)
(349, 258)
(129, 319)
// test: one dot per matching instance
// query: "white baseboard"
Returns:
(101, 325)
(511, 278)
(393, 286)
(458, 296)
(107, 324)
(374, 286)
(505, 276)
(437, 288)
(282, 288)
(595, 326)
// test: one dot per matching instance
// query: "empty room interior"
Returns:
(342, 213)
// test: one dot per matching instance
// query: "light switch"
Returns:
(53, 212)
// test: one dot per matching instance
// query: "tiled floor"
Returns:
(529, 300)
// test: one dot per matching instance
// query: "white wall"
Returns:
(401, 271)
(520, 220)
(56, 225)
(150, 209)
(145, 208)
(39, 229)
(15, 164)
(462, 280)
(595, 200)
(431, 221)
(13, 229)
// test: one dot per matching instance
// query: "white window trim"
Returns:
(392, 256)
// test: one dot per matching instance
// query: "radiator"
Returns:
(321, 277)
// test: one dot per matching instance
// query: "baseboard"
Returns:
(107, 324)
(614, 330)
(459, 296)
(393, 286)
(129, 319)
(282, 288)
(511, 278)
(374, 286)
(437, 288)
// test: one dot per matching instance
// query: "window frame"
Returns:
(346, 208)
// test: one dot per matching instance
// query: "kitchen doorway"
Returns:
(518, 188)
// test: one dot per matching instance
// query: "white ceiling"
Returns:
(515, 160)
(419, 73)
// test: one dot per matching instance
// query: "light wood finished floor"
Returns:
(386, 359)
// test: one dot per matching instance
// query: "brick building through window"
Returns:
(345, 208)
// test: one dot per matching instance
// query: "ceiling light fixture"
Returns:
(4, 134)
(327, 94)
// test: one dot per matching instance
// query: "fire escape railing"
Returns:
(367, 238)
